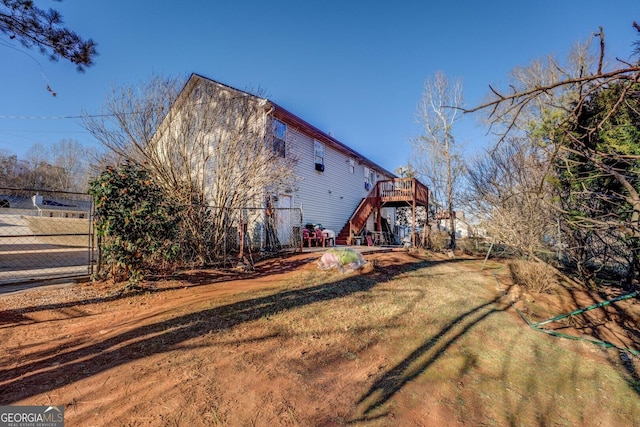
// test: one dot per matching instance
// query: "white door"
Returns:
(283, 218)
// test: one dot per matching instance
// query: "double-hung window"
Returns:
(279, 137)
(368, 178)
(318, 154)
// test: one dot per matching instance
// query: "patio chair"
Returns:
(329, 237)
(319, 234)
(308, 237)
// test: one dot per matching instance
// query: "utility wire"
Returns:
(56, 117)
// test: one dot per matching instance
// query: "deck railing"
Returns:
(403, 189)
(393, 190)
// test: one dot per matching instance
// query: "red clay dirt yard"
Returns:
(415, 340)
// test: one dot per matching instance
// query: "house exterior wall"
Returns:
(63, 214)
(201, 134)
(327, 197)
(44, 213)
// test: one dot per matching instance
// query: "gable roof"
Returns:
(291, 119)
(18, 202)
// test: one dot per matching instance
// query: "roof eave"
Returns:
(300, 124)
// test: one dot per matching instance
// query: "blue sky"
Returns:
(355, 69)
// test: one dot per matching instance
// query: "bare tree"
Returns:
(405, 214)
(63, 166)
(583, 110)
(206, 144)
(40, 174)
(436, 153)
(8, 169)
(74, 160)
(504, 188)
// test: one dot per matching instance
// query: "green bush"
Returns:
(136, 227)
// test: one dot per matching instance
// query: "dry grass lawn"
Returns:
(410, 341)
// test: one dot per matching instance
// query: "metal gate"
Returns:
(45, 235)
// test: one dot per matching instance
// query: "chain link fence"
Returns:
(223, 237)
(47, 235)
(226, 235)
(44, 235)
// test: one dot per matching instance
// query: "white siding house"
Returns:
(332, 179)
(38, 205)
(328, 194)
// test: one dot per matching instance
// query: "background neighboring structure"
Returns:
(39, 205)
(44, 236)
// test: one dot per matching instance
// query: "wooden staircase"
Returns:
(343, 236)
(394, 193)
(357, 220)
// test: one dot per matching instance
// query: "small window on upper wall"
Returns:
(367, 178)
(318, 152)
(352, 166)
(279, 137)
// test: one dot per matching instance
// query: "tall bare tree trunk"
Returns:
(435, 152)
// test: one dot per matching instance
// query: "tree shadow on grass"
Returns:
(610, 326)
(185, 279)
(74, 364)
(422, 358)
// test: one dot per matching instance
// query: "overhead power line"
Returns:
(54, 117)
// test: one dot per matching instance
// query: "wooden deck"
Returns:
(402, 191)
(388, 193)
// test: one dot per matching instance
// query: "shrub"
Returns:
(534, 276)
(136, 227)
(471, 246)
(439, 240)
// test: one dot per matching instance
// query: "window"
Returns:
(367, 178)
(279, 137)
(352, 166)
(318, 152)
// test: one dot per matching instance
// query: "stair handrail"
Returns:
(370, 199)
(398, 189)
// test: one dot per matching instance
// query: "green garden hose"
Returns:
(538, 326)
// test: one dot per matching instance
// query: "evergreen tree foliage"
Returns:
(136, 227)
(23, 21)
(599, 181)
